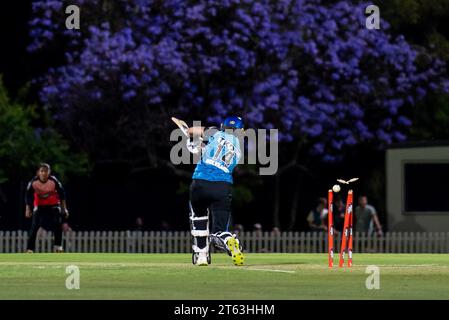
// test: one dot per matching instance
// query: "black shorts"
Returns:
(215, 196)
(47, 217)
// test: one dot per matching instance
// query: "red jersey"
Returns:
(49, 193)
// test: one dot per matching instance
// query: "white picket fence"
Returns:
(180, 242)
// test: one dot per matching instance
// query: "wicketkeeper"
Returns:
(211, 191)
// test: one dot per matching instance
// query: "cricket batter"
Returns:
(45, 194)
(211, 192)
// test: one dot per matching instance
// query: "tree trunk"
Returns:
(21, 203)
(294, 208)
(277, 200)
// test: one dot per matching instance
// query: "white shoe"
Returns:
(219, 241)
(202, 259)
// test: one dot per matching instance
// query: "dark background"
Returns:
(426, 189)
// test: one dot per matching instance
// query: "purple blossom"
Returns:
(306, 67)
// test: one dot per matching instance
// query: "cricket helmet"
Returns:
(232, 122)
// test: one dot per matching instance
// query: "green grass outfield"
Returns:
(265, 276)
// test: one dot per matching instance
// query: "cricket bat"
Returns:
(192, 146)
(182, 125)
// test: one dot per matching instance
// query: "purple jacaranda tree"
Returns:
(309, 68)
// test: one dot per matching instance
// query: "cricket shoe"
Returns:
(219, 241)
(58, 249)
(227, 242)
(201, 257)
(233, 245)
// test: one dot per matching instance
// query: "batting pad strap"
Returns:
(199, 218)
(200, 233)
(200, 226)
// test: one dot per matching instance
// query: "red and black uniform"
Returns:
(45, 198)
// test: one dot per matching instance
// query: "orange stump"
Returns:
(346, 230)
(330, 228)
(350, 239)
